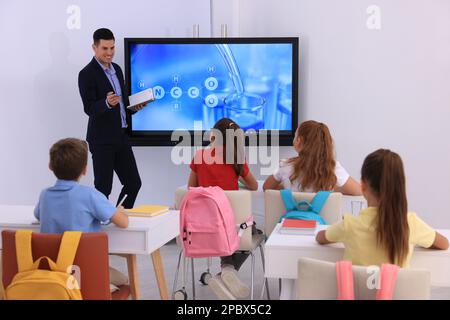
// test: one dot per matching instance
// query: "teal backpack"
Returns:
(304, 210)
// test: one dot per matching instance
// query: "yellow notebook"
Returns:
(147, 210)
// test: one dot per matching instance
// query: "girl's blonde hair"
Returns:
(315, 165)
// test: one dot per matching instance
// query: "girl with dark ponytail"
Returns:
(385, 232)
(223, 165)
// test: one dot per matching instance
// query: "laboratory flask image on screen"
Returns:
(200, 81)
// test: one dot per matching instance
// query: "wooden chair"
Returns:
(91, 258)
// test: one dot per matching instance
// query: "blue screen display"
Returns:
(250, 83)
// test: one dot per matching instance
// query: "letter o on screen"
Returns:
(211, 83)
(211, 100)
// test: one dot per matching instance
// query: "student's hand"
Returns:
(250, 182)
(351, 188)
(112, 99)
(321, 238)
(272, 184)
(120, 218)
(193, 181)
(440, 242)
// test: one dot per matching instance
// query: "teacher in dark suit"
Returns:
(104, 96)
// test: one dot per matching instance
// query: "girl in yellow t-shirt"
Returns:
(384, 232)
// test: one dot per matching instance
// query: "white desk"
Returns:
(283, 251)
(143, 236)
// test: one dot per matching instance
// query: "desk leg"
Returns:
(133, 276)
(287, 289)
(159, 273)
(2, 293)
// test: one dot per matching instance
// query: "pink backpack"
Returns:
(344, 276)
(207, 223)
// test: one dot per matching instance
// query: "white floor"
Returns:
(169, 253)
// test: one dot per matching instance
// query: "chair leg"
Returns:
(193, 279)
(266, 282)
(279, 286)
(252, 275)
(2, 290)
(263, 289)
(176, 275)
(185, 262)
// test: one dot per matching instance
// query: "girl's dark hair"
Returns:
(383, 172)
(225, 125)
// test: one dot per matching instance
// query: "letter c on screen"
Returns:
(176, 92)
(193, 92)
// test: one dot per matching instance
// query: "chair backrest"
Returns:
(317, 281)
(91, 258)
(241, 202)
(274, 207)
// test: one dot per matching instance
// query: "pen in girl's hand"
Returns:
(123, 199)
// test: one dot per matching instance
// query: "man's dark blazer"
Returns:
(105, 125)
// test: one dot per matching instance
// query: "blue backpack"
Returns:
(304, 210)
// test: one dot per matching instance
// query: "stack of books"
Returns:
(300, 227)
(147, 210)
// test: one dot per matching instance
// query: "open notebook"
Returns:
(146, 210)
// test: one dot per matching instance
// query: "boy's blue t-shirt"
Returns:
(70, 206)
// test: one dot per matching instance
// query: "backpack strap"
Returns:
(319, 201)
(292, 205)
(243, 226)
(67, 250)
(344, 277)
(288, 199)
(387, 281)
(51, 263)
(24, 255)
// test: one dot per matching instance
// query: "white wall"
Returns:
(374, 88)
(384, 88)
(40, 103)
